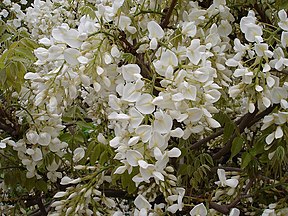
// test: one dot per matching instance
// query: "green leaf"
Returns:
(95, 154)
(86, 10)
(237, 145)
(83, 124)
(222, 118)
(30, 183)
(65, 137)
(2, 27)
(258, 147)
(182, 169)
(126, 181)
(24, 52)
(228, 131)
(79, 137)
(26, 42)
(282, 4)
(41, 185)
(246, 158)
(209, 159)
(5, 37)
(103, 158)
(3, 76)
(131, 187)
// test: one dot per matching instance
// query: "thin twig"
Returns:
(228, 169)
(166, 19)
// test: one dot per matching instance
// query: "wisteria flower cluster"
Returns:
(143, 108)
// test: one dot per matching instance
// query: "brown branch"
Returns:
(207, 139)
(249, 120)
(228, 169)
(166, 19)
(262, 14)
(243, 124)
(12, 127)
(283, 71)
(225, 209)
(262, 115)
(41, 207)
(212, 136)
(220, 208)
(129, 48)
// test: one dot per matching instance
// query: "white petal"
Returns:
(213, 123)
(259, 88)
(37, 156)
(2, 145)
(131, 72)
(278, 132)
(153, 44)
(120, 170)
(232, 182)
(117, 116)
(66, 180)
(282, 15)
(232, 62)
(60, 194)
(31, 76)
(199, 209)
(158, 176)
(163, 122)
(158, 154)
(32, 137)
(174, 152)
(155, 30)
(144, 104)
(251, 107)
(178, 132)
(140, 202)
(144, 131)
(45, 41)
(143, 212)
(133, 157)
(115, 142)
(173, 208)
(269, 139)
(44, 139)
(78, 154)
(71, 55)
(195, 114)
(83, 60)
(234, 212)
(222, 176)
(190, 93)
(71, 37)
(143, 164)
(136, 117)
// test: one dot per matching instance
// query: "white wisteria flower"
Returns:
(142, 205)
(78, 154)
(283, 20)
(199, 209)
(155, 33)
(234, 212)
(224, 182)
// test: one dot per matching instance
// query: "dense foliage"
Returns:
(143, 107)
